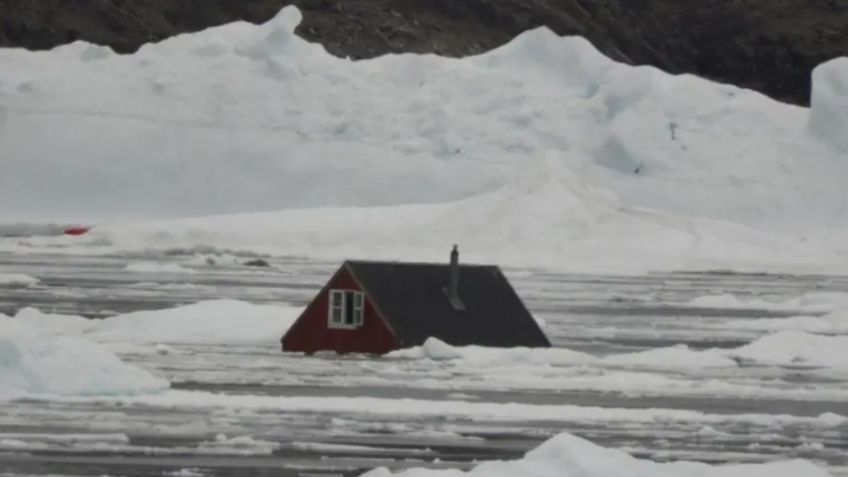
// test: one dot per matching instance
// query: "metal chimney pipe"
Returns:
(453, 284)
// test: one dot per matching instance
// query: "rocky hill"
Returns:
(767, 45)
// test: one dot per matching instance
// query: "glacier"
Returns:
(540, 153)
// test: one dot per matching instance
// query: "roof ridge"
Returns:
(433, 264)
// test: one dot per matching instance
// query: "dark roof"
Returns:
(412, 298)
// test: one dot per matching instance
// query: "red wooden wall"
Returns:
(311, 332)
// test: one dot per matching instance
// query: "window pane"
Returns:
(336, 298)
(358, 308)
(336, 307)
(349, 307)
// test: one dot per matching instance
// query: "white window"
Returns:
(346, 309)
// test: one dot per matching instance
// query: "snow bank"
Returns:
(542, 152)
(829, 103)
(17, 280)
(156, 267)
(213, 321)
(33, 361)
(567, 455)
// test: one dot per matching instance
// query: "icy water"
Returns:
(252, 410)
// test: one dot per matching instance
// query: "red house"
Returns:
(377, 307)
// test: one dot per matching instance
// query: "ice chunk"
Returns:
(567, 455)
(829, 103)
(34, 361)
(156, 267)
(674, 357)
(797, 348)
(216, 321)
(17, 280)
(240, 445)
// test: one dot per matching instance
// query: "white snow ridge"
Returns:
(541, 152)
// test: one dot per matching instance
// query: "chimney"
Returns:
(453, 284)
(452, 290)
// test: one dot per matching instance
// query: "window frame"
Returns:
(356, 309)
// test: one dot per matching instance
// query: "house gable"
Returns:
(312, 331)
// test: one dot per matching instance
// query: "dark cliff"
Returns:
(766, 45)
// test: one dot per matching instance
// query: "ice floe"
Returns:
(33, 361)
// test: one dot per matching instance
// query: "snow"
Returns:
(831, 323)
(436, 349)
(354, 449)
(566, 455)
(480, 356)
(240, 445)
(17, 280)
(68, 438)
(155, 267)
(34, 361)
(819, 312)
(829, 103)
(525, 223)
(809, 302)
(53, 322)
(797, 348)
(542, 152)
(474, 411)
(186, 472)
(205, 322)
(672, 357)
(784, 348)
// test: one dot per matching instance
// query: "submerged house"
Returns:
(377, 307)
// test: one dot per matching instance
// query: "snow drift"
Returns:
(567, 455)
(542, 150)
(36, 361)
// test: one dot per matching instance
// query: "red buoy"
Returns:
(77, 230)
